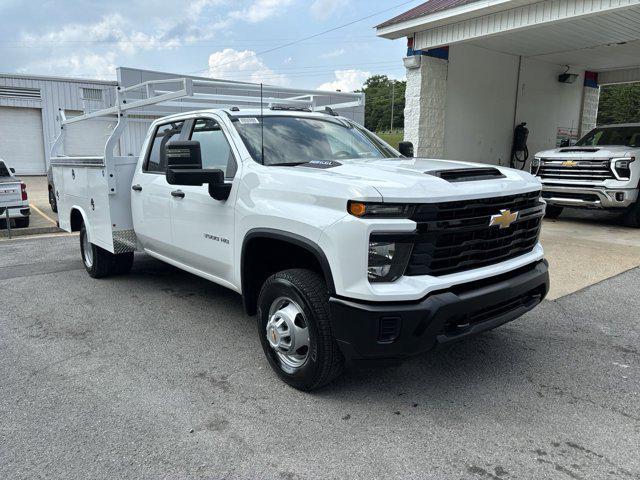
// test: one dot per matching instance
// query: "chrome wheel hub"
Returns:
(87, 251)
(287, 333)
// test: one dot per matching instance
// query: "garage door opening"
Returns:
(21, 142)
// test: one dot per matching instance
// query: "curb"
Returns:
(20, 232)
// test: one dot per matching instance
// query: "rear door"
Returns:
(151, 194)
(202, 226)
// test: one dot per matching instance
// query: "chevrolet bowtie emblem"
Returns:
(569, 163)
(504, 219)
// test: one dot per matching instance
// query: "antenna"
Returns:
(261, 126)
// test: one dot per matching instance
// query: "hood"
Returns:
(420, 179)
(603, 152)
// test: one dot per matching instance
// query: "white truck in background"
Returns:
(601, 171)
(344, 248)
(14, 201)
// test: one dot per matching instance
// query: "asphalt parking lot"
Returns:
(159, 374)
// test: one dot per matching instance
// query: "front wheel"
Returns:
(553, 211)
(295, 330)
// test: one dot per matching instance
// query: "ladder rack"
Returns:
(181, 93)
(159, 98)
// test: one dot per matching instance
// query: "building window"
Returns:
(92, 94)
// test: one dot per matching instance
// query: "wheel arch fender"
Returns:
(77, 218)
(251, 284)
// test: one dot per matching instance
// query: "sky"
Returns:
(224, 39)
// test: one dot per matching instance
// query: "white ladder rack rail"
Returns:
(138, 98)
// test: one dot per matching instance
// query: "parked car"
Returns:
(601, 171)
(343, 247)
(51, 187)
(13, 196)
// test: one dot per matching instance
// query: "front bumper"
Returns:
(589, 197)
(394, 330)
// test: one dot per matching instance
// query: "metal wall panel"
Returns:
(55, 94)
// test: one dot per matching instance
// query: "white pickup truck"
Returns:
(601, 171)
(13, 198)
(343, 247)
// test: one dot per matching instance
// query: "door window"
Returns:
(214, 147)
(156, 162)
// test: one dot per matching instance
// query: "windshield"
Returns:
(628, 136)
(296, 140)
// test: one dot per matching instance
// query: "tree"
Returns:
(379, 91)
(619, 104)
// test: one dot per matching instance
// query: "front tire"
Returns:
(632, 215)
(553, 211)
(295, 330)
(97, 261)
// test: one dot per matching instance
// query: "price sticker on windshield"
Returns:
(248, 120)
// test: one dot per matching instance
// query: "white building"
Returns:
(476, 69)
(30, 108)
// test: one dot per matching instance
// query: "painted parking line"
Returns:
(43, 214)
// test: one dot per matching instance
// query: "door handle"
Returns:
(177, 193)
(136, 188)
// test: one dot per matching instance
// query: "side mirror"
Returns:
(565, 143)
(12, 170)
(184, 167)
(406, 149)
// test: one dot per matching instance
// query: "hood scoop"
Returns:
(586, 150)
(467, 174)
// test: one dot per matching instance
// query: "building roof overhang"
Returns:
(594, 35)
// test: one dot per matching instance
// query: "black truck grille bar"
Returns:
(456, 236)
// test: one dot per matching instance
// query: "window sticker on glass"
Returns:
(247, 120)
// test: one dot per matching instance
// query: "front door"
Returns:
(202, 226)
(151, 194)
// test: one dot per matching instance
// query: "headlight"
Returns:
(535, 165)
(387, 260)
(379, 210)
(622, 167)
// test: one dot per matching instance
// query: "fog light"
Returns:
(620, 196)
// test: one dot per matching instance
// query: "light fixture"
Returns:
(567, 77)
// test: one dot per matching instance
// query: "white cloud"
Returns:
(230, 64)
(99, 66)
(346, 80)
(260, 10)
(334, 53)
(323, 9)
(118, 31)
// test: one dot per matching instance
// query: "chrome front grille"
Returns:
(575, 169)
